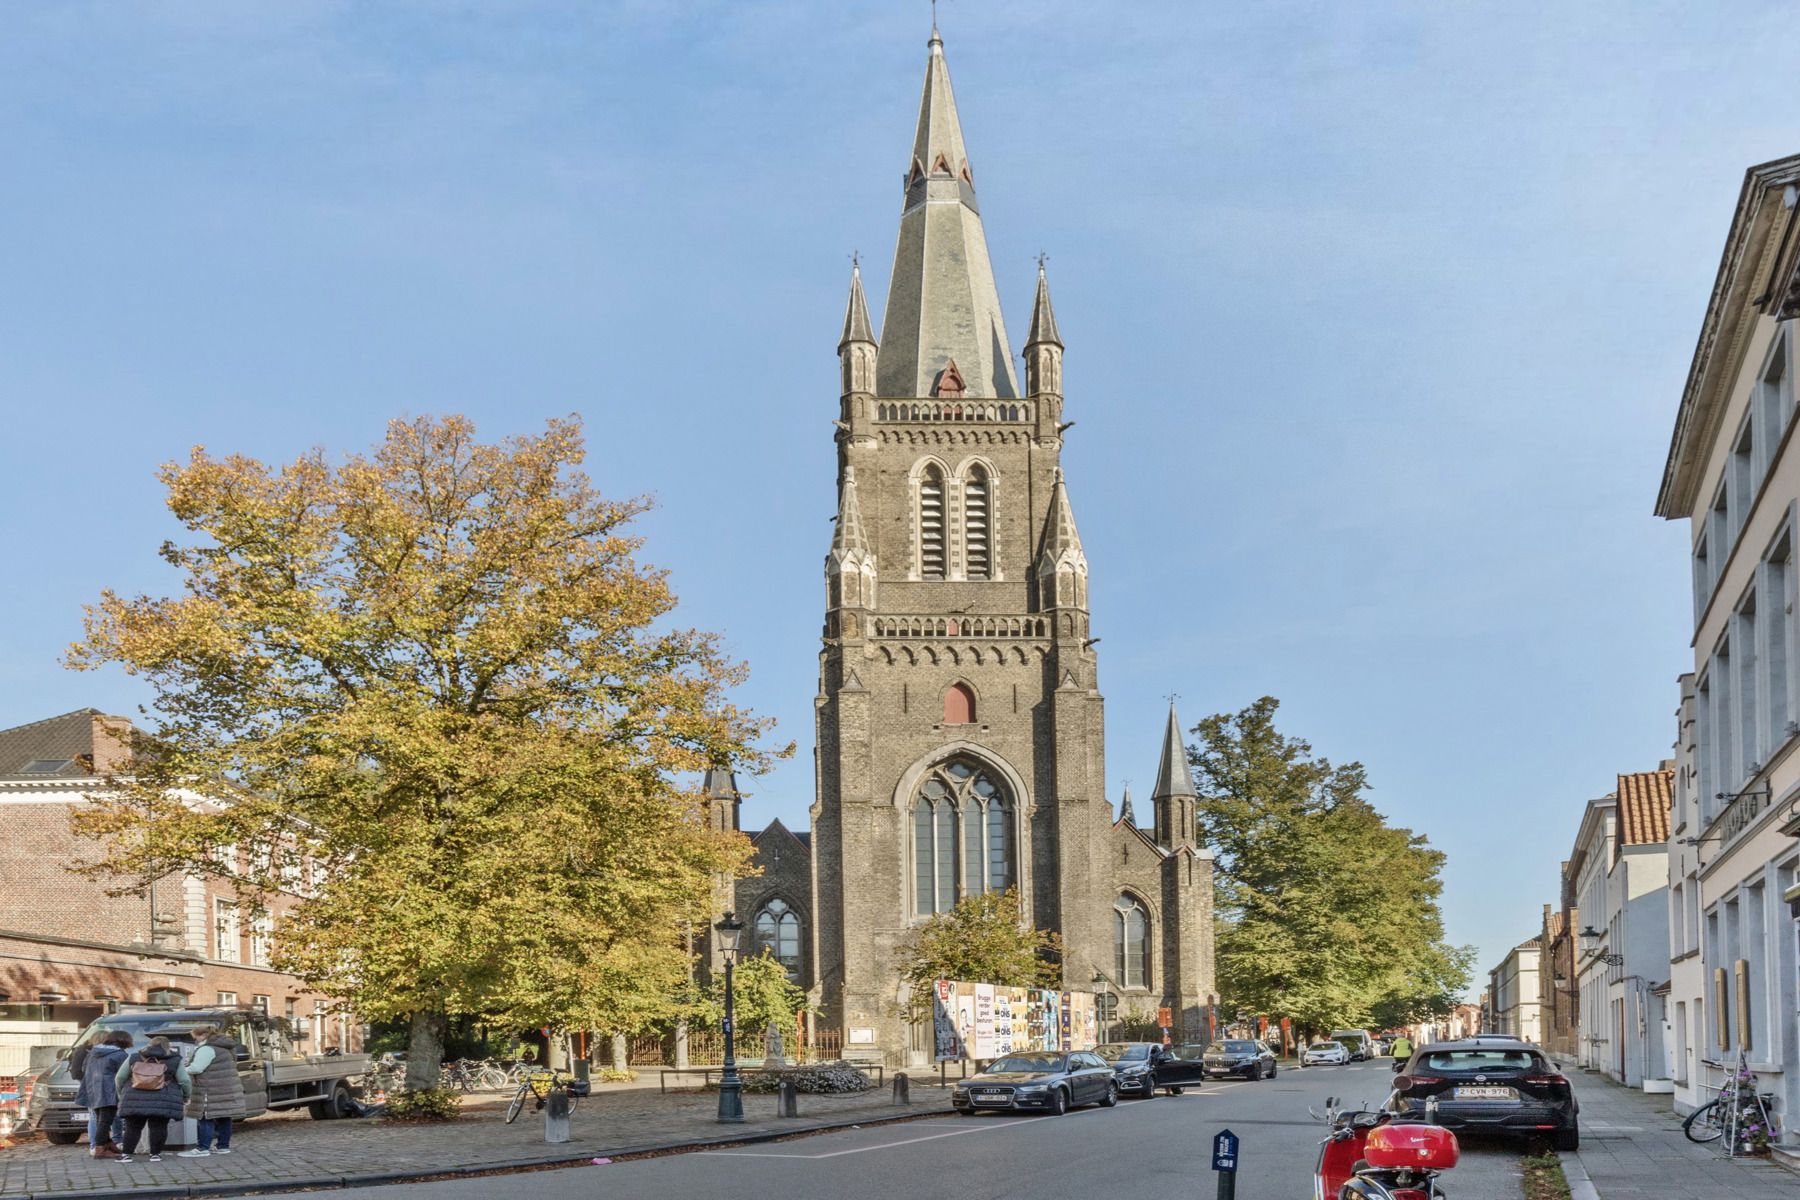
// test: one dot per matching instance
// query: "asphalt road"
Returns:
(1158, 1148)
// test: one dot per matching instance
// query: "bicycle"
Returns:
(1736, 1105)
(540, 1083)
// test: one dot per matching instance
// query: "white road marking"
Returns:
(995, 1127)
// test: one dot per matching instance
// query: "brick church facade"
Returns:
(959, 720)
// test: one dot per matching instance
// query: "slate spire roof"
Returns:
(1173, 777)
(1043, 317)
(942, 303)
(857, 327)
(1125, 813)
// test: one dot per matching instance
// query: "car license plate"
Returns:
(79, 1114)
(1484, 1093)
(992, 1098)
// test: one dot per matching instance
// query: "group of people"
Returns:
(128, 1092)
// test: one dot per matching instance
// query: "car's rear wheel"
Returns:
(1112, 1095)
(1059, 1102)
(1568, 1139)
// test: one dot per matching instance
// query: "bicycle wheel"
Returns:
(517, 1106)
(492, 1079)
(1706, 1123)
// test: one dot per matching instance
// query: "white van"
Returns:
(1359, 1042)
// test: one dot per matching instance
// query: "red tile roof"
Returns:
(1644, 800)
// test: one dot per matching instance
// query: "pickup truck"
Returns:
(275, 1074)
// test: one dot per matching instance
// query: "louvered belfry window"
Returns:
(977, 501)
(931, 524)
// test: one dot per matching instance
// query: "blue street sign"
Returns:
(1225, 1151)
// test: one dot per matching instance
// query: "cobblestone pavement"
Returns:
(1632, 1148)
(294, 1150)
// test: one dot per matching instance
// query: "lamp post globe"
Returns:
(730, 932)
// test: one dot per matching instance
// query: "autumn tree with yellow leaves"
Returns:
(440, 676)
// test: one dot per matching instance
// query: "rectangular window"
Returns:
(1774, 402)
(262, 938)
(227, 999)
(260, 1003)
(1743, 475)
(227, 932)
(1724, 728)
(1776, 585)
(1748, 723)
(1705, 733)
(1677, 942)
(1718, 528)
(1703, 580)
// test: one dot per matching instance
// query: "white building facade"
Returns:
(1635, 938)
(1733, 476)
(1513, 992)
(1590, 866)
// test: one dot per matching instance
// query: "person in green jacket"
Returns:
(1402, 1048)
(218, 1097)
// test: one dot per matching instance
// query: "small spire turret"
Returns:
(1043, 345)
(1175, 798)
(857, 349)
(1125, 813)
(850, 566)
(1062, 564)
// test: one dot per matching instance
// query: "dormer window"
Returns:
(950, 382)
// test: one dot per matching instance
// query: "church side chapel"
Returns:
(959, 720)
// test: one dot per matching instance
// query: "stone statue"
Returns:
(772, 1048)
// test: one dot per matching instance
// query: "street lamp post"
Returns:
(731, 1087)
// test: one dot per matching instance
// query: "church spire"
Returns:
(1043, 345)
(1062, 564)
(856, 349)
(1175, 797)
(1125, 813)
(942, 304)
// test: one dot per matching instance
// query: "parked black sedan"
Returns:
(1245, 1057)
(1038, 1082)
(1487, 1085)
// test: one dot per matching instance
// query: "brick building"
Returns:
(68, 951)
(960, 723)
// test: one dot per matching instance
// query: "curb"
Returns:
(471, 1171)
(1580, 1186)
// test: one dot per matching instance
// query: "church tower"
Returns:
(959, 720)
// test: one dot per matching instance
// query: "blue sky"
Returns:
(1376, 317)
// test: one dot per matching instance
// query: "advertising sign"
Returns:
(984, 1021)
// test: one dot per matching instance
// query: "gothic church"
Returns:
(960, 725)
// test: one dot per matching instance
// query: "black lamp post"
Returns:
(731, 1087)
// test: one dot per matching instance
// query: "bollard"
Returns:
(902, 1088)
(790, 1099)
(556, 1116)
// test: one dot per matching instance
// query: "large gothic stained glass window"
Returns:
(1131, 941)
(962, 836)
(778, 930)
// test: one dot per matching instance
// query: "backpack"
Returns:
(148, 1075)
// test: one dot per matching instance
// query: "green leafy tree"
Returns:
(983, 939)
(761, 995)
(1327, 914)
(438, 674)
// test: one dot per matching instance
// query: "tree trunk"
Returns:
(425, 1050)
(621, 1052)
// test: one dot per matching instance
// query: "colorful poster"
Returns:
(984, 1021)
(948, 1046)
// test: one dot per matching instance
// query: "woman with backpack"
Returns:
(153, 1087)
(99, 1091)
(218, 1096)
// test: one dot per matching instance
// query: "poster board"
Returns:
(983, 1021)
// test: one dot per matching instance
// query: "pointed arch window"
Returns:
(1131, 941)
(778, 931)
(931, 523)
(978, 498)
(963, 840)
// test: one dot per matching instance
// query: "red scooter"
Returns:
(1368, 1156)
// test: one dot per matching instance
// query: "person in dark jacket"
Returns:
(99, 1090)
(218, 1096)
(151, 1107)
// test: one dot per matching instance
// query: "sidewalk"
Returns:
(1632, 1148)
(291, 1151)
